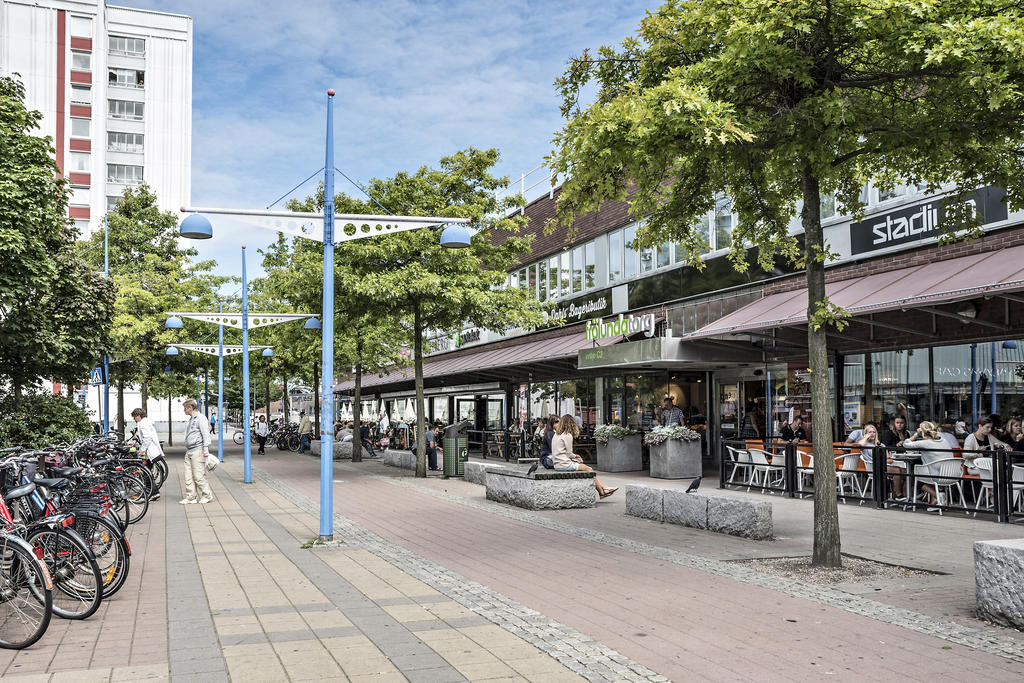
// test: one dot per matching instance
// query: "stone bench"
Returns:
(342, 450)
(998, 577)
(541, 491)
(733, 516)
(476, 472)
(527, 461)
(403, 459)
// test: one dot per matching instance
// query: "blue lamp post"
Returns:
(455, 235)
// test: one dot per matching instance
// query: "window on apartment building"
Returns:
(81, 94)
(629, 256)
(78, 162)
(615, 256)
(124, 142)
(553, 277)
(82, 227)
(120, 45)
(81, 27)
(531, 283)
(126, 78)
(81, 61)
(566, 273)
(827, 205)
(589, 264)
(79, 196)
(81, 128)
(664, 255)
(112, 202)
(723, 223)
(522, 278)
(126, 109)
(577, 269)
(542, 281)
(646, 259)
(124, 174)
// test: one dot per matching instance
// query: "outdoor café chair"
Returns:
(1018, 487)
(847, 475)
(983, 467)
(740, 463)
(762, 469)
(944, 475)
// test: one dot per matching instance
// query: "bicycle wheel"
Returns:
(136, 498)
(158, 468)
(113, 556)
(293, 442)
(26, 598)
(143, 475)
(281, 442)
(77, 587)
(238, 438)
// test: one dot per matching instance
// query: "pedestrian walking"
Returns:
(262, 431)
(213, 423)
(149, 442)
(305, 431)
(197, 448)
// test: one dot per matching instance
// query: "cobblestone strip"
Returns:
(194, 650)
(576, 651)
(1010, 648)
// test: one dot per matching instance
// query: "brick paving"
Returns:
(681, 620)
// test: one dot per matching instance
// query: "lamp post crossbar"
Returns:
(321, 228)
(211, 350)
(235, 319)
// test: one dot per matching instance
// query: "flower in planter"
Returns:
(659, 434)
(603, 433)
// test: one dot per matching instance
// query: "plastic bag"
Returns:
(211, 462)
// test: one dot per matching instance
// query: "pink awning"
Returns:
(957, 279)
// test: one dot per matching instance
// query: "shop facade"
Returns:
(630, 327)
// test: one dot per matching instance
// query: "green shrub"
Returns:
(41, 420)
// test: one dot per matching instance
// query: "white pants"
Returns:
(195, 475)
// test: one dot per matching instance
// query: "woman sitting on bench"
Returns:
(567, 461)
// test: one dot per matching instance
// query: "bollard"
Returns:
(879, 463)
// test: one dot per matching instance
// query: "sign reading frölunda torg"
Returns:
(920, 221)
(623, 325)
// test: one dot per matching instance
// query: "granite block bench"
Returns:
(404, 459)
(476, 472)
(722, 514)
(342, 449)
(541, 491)
(998, 577)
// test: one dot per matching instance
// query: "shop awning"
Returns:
(465, 364)
(943, 282)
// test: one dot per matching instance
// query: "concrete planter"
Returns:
(676, 459)
(620, 455)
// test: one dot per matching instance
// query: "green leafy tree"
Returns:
(152, 274)
(775, 104)
(409, 274)
(53, 311)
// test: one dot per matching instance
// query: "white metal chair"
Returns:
(868, 458)
(804, 473)
(983, 468)
(945, 474)
(1018, 487)
(762, 469)
(740, 463)
(777, 473)
(846, 474)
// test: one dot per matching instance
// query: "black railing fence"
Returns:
(989, 482)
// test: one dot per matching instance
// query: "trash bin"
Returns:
(455, 443)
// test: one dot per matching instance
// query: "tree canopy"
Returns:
(773, 104)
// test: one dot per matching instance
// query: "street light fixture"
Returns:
(171, 351)
(355, 227)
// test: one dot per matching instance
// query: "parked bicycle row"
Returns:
(64, 515)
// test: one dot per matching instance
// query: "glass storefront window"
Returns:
(577, 269)
(628, 252)
(542, 400)
(589, 251)
(614, 256)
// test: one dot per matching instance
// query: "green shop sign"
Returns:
(623, 325)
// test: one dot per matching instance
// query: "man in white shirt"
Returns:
(149, 442)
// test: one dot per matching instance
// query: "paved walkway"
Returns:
(432, 582)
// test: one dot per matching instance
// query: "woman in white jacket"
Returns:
(149, 442)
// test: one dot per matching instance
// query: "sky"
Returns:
(414, 80)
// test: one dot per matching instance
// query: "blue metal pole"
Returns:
(992, 348)
(327, 360)
(246, 450)
(106, 357)
(974, 388)
(220, 388)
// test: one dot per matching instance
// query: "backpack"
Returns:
(548, 463)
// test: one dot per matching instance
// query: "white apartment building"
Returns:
(114, 86)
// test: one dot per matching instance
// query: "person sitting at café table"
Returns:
(894, 440)
(933, 447)
(981, 439)
(794, 432)
(1014, 433)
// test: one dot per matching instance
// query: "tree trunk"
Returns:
(17, 392)
(145, 397)
(120, 406)
(284, 403)
(826, 509)
(170, 428)
(357, 438)
(421, 426)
